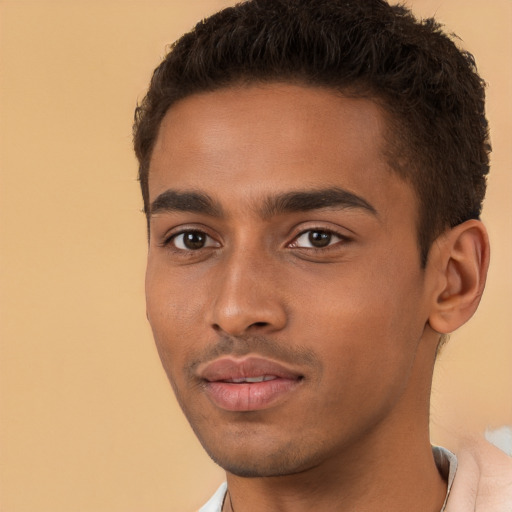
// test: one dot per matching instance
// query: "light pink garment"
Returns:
(483, 482)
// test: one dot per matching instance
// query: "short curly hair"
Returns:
(437, 137)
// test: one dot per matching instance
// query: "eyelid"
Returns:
(337, 233)
(171, 235)
(173, 240)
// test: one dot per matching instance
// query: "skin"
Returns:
(353, 318)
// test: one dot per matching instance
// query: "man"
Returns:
(313, 174)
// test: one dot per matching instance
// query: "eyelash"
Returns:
(170, 241)
(331, 234)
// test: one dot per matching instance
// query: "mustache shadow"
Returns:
(261, 346)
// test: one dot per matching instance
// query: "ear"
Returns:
(460, 258)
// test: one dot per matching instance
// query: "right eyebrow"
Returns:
(308, 200)
(187, 201)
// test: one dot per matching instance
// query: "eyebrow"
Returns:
(187, 201)
(288, 202)
(334, 197)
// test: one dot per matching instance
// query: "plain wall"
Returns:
(88, 421)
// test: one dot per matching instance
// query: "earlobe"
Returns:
(461, 262)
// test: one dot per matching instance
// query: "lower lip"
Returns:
(253, 396)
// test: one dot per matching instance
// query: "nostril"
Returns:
(259, 324)
(237, 330)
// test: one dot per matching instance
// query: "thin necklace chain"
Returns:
(228, 496)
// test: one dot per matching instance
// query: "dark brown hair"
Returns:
(434, 98)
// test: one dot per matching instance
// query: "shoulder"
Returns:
(483, 482)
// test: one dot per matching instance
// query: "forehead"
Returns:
(250, 141)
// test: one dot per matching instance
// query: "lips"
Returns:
(248, 384)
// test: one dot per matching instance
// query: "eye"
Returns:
(192, 241)
(316, 239)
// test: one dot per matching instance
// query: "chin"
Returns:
(250, 469)
(256, 463)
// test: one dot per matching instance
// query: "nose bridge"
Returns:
(247, 297)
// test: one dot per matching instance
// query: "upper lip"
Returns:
(227, 368)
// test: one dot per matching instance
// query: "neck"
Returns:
(401, 478)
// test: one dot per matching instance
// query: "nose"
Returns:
(248, 298)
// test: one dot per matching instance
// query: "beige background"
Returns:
(88, 421)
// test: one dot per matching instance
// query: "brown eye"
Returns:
(192, 241)
(319, 238)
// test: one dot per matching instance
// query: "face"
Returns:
(284, 286)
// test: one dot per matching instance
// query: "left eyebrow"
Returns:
(307, 200)
(185, 201)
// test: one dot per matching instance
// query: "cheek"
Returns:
(172, 314)
(369, 322)
(173, 295)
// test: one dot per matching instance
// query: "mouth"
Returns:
(248, 384)
(261, 378)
